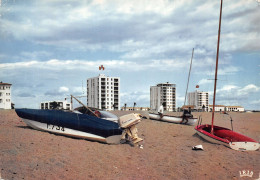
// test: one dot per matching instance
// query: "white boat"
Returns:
(188, 120)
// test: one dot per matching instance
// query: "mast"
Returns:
(188, 77)
(216, 70)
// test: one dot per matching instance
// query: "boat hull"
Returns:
(72, 124)
(173, 119)
(226, 137)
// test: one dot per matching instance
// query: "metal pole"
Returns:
(216, 71)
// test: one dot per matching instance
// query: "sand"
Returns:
(167, 152)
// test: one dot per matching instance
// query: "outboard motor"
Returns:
(128, 124)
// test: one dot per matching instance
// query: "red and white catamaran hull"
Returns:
(227, 137)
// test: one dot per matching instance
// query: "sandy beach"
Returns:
(167, 152)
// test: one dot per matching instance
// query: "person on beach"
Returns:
(160, 111)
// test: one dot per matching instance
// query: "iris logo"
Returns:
(246, 173)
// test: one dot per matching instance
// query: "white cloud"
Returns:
(63, 89)
(228, 88)
(204, 81)
(141, 98)
(256, 102)
(226, 70)
(34, 54)
(54, 64)
(251, 88)
(171, 28)
(236, 91)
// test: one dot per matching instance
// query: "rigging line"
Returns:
(188, 77)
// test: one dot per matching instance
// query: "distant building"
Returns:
(235, 108)
(227, 108)
(163, 94)
(103, 92)
(199, 99)
(5, 95)
(217, 107)
(135, 108)
(56, 105)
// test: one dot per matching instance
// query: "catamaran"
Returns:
(186, 118)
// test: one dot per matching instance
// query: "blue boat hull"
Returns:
(58, 121)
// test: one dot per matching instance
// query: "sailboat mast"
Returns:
(216, 70)
(188, 77)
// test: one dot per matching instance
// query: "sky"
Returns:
(49, 48)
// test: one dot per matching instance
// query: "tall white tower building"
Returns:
(199, 99)
(5, 95)
(163, 94)
(103, 92)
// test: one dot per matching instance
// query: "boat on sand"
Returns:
(186, 119)
(83, 122)
(222, 135)
(72, 124)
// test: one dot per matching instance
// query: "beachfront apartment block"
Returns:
(163, 94)
(199, 99)
(103, 92)
(5, 95)
(56, 105)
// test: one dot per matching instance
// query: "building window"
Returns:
(7, 100)
(1, 100)
(0, 94)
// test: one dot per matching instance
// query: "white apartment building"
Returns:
(60, 105)
(103, 92)
(163, 94)
(199, 99)
(5, 95)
